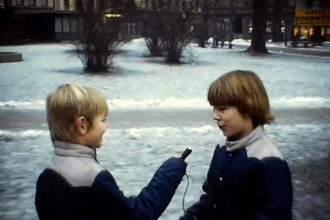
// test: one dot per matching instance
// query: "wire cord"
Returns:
(184, 194)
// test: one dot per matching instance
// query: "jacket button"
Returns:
(221, 179)
(214, 206)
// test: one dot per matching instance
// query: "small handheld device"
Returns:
(185, 153)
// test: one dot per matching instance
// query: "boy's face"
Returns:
(95, 133)
(231, 122)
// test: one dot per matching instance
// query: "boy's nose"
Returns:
(216, 116)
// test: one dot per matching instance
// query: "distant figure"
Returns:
(222, 32)
(296, 36)
(312, 36)
(74, 185)
(248, 177)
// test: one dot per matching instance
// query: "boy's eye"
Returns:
(220, 108)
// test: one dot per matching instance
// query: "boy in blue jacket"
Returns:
(74, 185)
(248, 177)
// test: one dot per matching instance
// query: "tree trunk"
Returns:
(258, 39)
(277, 18)
(202, 32)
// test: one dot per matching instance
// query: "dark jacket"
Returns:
(251, 181)
(75, 186)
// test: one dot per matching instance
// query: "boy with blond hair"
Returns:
(74, 185)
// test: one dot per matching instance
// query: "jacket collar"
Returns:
(257, 133)
(66, 149)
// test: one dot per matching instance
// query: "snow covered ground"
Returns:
(156, 111)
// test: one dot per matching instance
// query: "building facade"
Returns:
(25, 21)
(57, 20)
(231, 18)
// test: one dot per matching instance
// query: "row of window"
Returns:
(43, 3)
(196, 5)
(317, 4)
(188, 4)
(62, 4)
(67, 28)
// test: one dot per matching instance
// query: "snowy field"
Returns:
(156, 111)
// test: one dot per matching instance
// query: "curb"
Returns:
(6, 57)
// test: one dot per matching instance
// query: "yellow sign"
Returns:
(312, 21)
(313, 13)
(303, 22)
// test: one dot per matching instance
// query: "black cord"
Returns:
(184, 194)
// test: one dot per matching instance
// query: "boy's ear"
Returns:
(81, 125)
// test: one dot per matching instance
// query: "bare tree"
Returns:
(277, 18)
(258, 38)
(176, 35)
(201, 30)
(152, 32)
(100, 35)
(166, 28)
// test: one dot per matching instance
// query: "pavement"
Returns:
(322, 51)
(120, 119)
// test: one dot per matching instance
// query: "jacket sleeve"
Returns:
(199, 210)
(153, 199)
(156, 196)
(274, 191)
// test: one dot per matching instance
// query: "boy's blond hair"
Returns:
(69, 102)
(245, 91)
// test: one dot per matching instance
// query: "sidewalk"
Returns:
(323, 51)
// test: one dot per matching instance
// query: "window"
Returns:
(74, 25)
(66, 24)
(66, 5)
(58, 25)
(226, 3)
(19, 2)
(324, 4)
(237, 25)
(218, 4)
(309, 4)
(292, 2)
(44, 3)
(30, 2)
(242, 3)
(132, 29)
(146, 4)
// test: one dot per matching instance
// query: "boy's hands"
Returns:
(177, 164)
